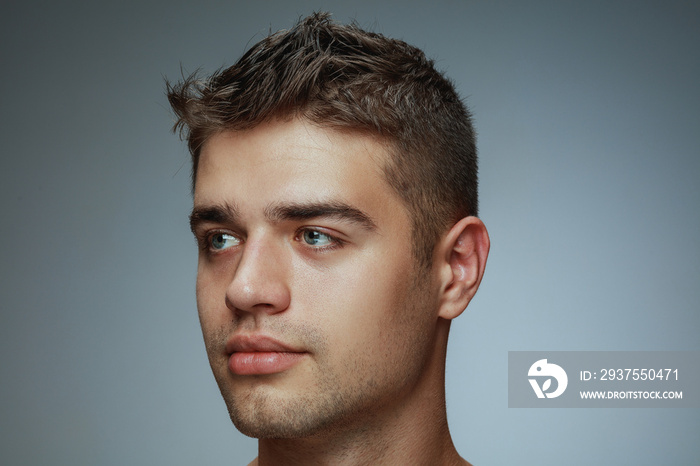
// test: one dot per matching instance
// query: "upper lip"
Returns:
(257, 343)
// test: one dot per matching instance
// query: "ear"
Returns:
(462, 254)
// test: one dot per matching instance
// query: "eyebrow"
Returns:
(228, 214)
(223, 214)
(307, 211)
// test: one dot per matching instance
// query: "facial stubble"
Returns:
(338, 398)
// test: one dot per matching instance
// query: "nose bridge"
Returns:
(259, 283)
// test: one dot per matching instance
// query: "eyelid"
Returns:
(204, 240)
(336, 241)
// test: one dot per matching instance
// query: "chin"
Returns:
(273, 428)
(266, 416)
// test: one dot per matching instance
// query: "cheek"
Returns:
(215, 321)
(211, 299)
(359, 304)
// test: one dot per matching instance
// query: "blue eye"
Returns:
(221, 241)
(316, 238)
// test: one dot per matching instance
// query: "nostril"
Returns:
(265, 296)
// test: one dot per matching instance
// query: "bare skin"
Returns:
(326, 338)
(415, 433)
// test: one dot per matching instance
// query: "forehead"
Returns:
(292, 159)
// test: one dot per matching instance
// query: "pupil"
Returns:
(313, 237)
(218, 241)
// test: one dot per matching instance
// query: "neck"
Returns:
(410, 430)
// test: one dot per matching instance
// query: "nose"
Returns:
(260, 283)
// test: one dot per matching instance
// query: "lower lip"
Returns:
(261, 363)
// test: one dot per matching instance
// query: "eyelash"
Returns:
(335, 242)
(205, 242)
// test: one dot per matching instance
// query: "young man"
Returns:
(335, 194)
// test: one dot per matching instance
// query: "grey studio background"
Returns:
(588, 116)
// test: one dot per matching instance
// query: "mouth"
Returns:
(261, 355)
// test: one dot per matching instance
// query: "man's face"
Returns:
(313, 312)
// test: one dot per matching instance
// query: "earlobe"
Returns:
(463, 253)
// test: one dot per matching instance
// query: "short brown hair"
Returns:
(341, 76)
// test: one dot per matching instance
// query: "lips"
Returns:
(261, 355)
